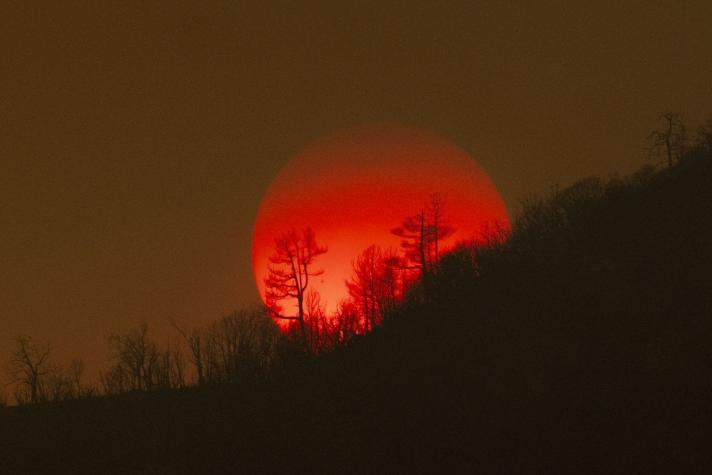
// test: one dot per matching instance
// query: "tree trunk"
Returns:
(300, 304)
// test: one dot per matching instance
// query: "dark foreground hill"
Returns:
(583, 344)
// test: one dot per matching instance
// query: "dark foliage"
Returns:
(579, 344)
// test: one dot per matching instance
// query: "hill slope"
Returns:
(581, 344)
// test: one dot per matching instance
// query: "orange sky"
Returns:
(137, 139)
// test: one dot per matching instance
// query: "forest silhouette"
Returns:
(576, 341)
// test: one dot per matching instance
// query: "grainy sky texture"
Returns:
(137, 138)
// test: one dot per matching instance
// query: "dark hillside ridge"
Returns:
(583, 344)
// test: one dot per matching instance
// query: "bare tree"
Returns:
(393, 281)
(439, 227)
(245, 341)
(320, 328)
(346, 322)
(376, 284)
(669, 140)
(413, 234)
(140, 364)
(137, 357)
(58, 386)
(261, 345)
(289, 273)
(365, 286)
(170, 368)
(211, 360)
(29, 369)
(115, 380)
(196, 343)
(704, 136)
(177, 369)
(244, 344)
(422, 235)
(76, 377)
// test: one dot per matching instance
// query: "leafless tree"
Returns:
(170, 368)
(212, 369)
(439, 227)
(413, 234)
(244, 344)
(137, 357)
(704, 136)
(29, 369)
(393, 281)
(376, 284)
(59, 386)
(320, 327)
(76, 368)
(670, 139)
(196, 344)
(347, 322)
(289, 273)
(422, 235)
(177, 369)
(365, 286)
(115, 380)
(80, 388)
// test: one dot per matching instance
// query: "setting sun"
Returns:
(354, 187)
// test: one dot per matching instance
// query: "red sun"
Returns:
(353, 187)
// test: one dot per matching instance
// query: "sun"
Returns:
(353, 187)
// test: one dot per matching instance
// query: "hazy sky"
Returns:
(136, 139)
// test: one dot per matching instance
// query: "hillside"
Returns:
(581, 344)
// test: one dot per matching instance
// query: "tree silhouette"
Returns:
(170, 368)
(345, 322)
(422, 235)
(76, 378)
(670, 139)
(244, 345)
(320, 328)
(365, 286)
(196, 345)
(29, 369)
(375, 284)
(413, 234)
(137, 359)
(247, 342)
(140, 364)
(289, 273)
(704, 136)
(438, 226)
(605, 279)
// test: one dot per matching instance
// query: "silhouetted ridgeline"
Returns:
(581, 344)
